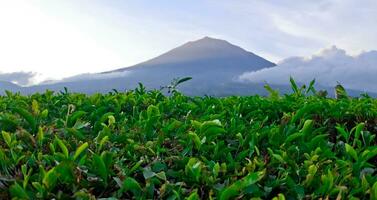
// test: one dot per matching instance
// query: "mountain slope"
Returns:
(212, 63)
(4, 85)
(207, 52)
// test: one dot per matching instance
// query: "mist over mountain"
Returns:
(219, 68)
(19, 78)
(212, 63)
(328, 67)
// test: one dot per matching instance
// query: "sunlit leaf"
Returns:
(80, 150)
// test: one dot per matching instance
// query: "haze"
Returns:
(57, 39)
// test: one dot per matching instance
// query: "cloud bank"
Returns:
(90, 76)
(73, 37)
(19, 78)
(328, 67)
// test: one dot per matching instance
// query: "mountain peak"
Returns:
(207, 38)
(206, 47)
(208, 41)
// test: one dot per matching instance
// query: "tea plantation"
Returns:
(145, 145)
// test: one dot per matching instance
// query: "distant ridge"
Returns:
(4, 85)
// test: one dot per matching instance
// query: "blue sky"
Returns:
(57, 39)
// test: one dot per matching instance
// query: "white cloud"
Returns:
(328, 67)
(66, 38)
(301, 27)
(20, 78)
(62, 39)
(90, 76)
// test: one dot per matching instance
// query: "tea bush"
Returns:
(145, 145)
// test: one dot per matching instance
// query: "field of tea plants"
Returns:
(145, 145)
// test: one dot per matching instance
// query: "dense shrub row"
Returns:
(144, 145)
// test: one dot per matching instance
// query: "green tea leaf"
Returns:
(40, 136)
(100, 167)
(80, 149)
(148, 173)
(279, 197)
(27, 116)
(237, 187)
(50, 178)
(195, 138)
(373, 191)
(194, 169)
(193, 196)
(18, 192)
(35, 107)
(135, 167)
(161, 175)
(132, 185)
(351, 151)
(62, 147)
(307, 128)
(7, 138)
(358, 130)
(293, 137)
(343, 132)
(211, 129)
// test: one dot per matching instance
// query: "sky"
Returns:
(43, 39)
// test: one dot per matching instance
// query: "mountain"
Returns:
(206, 52)
(213, 64)
(4, 85)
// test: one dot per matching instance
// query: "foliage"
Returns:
(172, 87)
(143, 145)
